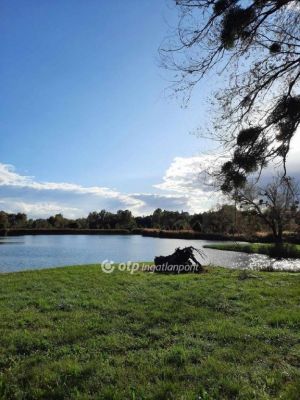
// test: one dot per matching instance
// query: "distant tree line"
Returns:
(225, 219)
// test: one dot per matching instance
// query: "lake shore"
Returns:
(182, 234)
(77, 332)
(288, 250)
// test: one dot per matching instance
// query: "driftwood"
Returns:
(181, 261)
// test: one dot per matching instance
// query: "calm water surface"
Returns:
(36, 252)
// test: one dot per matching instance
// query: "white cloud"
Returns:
(189, 176)
(185, 186)
(38, 209)
(293, 160)
(8, 177)
(20, 193)
(18, 188)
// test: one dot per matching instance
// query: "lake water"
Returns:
(43, 251)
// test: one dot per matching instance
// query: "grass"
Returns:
(287, 251)
(78, 333)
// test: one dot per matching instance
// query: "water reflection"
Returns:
(10, 240)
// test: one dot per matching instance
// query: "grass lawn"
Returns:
(78, 333)
(292, 250)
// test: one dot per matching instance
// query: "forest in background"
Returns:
(225, 219)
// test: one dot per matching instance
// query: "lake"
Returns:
(43, 251)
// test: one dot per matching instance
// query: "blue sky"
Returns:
(83, 106)
(82, 92)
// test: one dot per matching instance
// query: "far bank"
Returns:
(170, 234)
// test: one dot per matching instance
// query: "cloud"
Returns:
(38, 209)
(8, 177)
(181, 189)
(24, 193)
(189, 176)
(185, 186)
(20, 193)
(164, 201)
(293, 159)
(184, 174)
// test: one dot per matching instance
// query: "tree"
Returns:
(58, 221)
(93, 220)
(144, 222)
(125, 220)
(255, 46)
(197, 222)
(276, 203)
(156, 218)
(18, 220)
(3, 220)
(21, 220)
(40, 223)
(249, 223)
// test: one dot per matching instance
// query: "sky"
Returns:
(86, 120)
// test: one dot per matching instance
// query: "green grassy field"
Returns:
(290, 250)
(78, 333)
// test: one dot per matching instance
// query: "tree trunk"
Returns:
(278, 250)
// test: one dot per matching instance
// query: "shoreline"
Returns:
(291, 251)
(156, 233)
